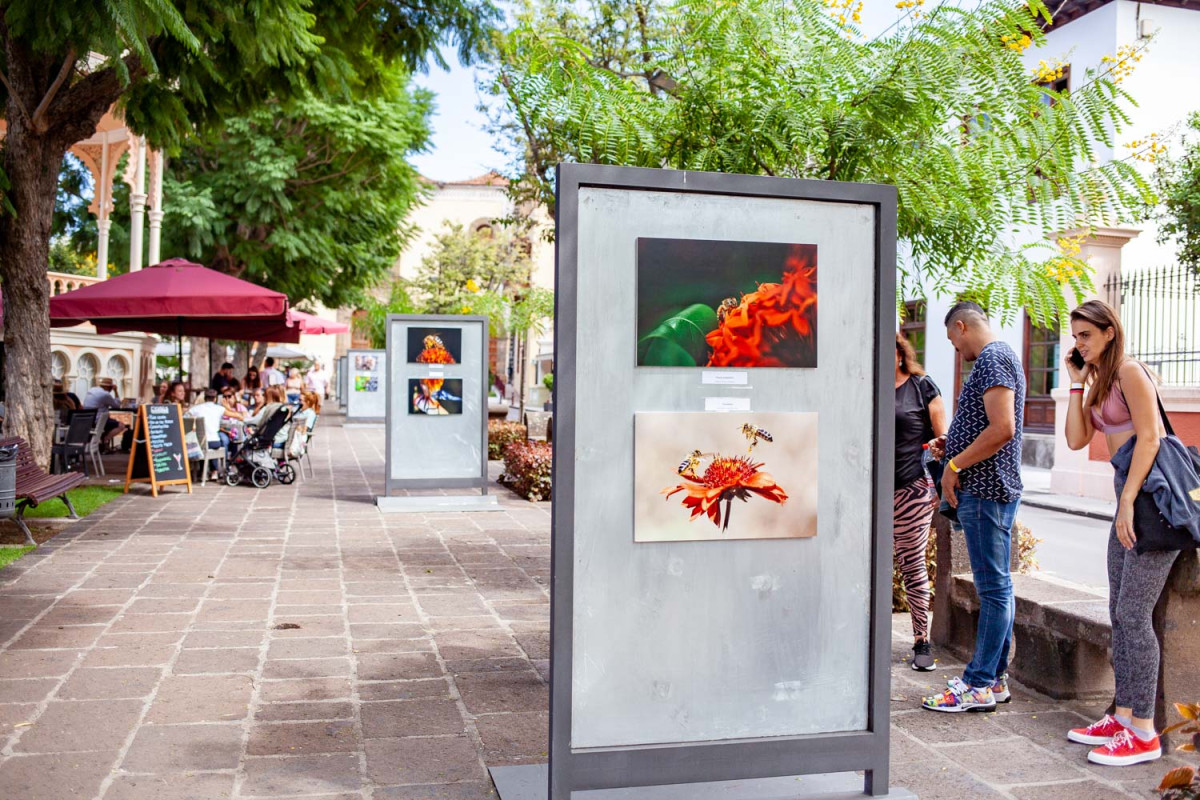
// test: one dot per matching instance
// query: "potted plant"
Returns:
(548, 382)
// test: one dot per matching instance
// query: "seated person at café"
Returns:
(64, 402)
(222, 378)
(104, 395)
(212, 413)
(274, 400)
(177, 393)
(160, 393)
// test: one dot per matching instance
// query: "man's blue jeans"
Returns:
(987, 526)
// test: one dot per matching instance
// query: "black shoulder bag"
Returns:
(1154, 533)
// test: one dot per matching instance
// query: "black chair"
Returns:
(75, 445)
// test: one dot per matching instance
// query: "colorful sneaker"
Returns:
(960, 697)
(1126, 749)
(1097, 733)
(922, 657)
(1000, 689)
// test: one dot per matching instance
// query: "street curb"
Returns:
(1049, 505)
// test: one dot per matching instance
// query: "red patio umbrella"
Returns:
(310, 323)
(178, 298)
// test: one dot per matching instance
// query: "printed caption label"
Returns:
(727, 404)
(710, 378)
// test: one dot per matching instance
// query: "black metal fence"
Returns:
(1160, 309)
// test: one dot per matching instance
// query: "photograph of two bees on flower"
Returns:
(737, 475)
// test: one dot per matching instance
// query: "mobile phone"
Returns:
(1075, 359)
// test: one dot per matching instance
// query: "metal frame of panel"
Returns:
(480, 482)
(659, 764)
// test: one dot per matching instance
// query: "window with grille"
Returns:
(912, 327)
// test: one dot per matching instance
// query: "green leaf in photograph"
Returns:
(678, 341)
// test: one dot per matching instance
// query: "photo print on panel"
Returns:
(435, 345)
(700, 476)
(704, 303)
(437, 397)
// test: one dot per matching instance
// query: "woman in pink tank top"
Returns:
(1121, 402)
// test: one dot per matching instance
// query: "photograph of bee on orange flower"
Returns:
(767, 461)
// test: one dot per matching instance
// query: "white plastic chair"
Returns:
(208, 453)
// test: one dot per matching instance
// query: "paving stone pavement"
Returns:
(294, 643)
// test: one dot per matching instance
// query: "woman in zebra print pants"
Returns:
(920, 417)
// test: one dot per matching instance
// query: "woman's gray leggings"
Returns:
(1134, 585)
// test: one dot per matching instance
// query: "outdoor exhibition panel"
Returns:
(722, 479)
(366, 385)
(436, 402)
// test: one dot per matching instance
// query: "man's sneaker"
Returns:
(960, 697)
(1126, 749)
(922, 657)
(1097, 733)
(1000, 689)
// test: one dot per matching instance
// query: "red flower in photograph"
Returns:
(726, 479)
(771, 327)
(435, 352)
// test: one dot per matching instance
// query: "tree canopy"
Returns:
(463, 263)
(1178, 182)
(173, 69)
(987, 155)
(307, 197)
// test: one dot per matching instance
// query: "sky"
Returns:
(460, 146)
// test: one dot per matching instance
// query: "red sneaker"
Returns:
(1126, 749)
(1097, 733)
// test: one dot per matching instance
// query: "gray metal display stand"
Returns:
(366, 404)
(686, 665)
(434, 452)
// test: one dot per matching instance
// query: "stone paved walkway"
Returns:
(292, 642)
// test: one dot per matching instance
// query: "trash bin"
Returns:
(8, 480)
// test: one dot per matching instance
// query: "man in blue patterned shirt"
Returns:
(982, 481)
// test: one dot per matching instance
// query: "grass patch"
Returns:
(86, 500)
(11, 554)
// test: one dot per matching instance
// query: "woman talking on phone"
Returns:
(1122, 403)
(920, 417)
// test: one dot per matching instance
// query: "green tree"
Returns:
(307, 198)
(372, 323)
(1178, 183)
(985, 154)
(171, 68)
(463, 263)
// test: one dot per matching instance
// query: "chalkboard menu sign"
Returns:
(159, 453)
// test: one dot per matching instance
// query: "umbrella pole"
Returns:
(179, 344)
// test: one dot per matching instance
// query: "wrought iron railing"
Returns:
(1160, 310)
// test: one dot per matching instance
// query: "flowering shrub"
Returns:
(1182, 783)
(501, 434)
(527, 469)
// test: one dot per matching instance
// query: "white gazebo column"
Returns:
(137, 202)
(103, 223)
(157, 163)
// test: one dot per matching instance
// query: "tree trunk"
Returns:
(32, 164)
(198, 365)
(216, 357)
(259, 354)
(241, 359)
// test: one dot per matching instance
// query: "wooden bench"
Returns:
(34, 486)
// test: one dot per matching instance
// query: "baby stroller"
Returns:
(253, 461)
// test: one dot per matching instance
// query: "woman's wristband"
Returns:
(953, 467)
